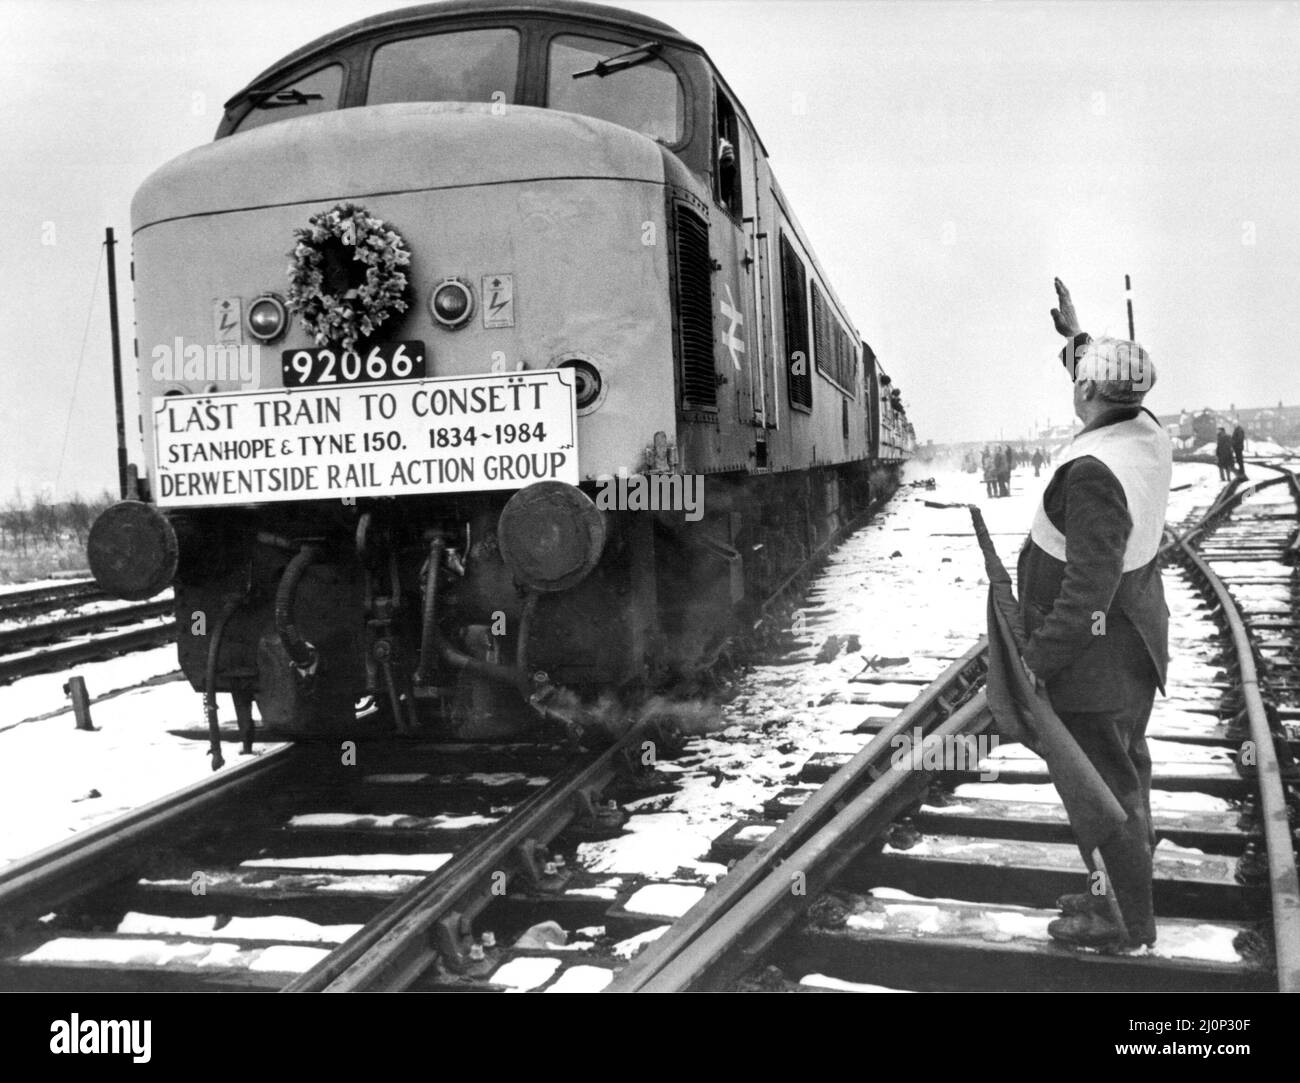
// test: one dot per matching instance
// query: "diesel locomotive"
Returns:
(480, 355)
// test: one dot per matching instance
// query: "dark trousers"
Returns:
(1115, 743)
(1239, 454)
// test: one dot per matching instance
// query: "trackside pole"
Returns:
(110, 243)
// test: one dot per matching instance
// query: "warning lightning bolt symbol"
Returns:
(495, 305)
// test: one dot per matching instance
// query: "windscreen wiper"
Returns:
(277, 99)
(620, 61)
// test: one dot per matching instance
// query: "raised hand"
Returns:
(1065, 318)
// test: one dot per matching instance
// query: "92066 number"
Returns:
(324, 365)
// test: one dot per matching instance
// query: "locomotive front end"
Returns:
(360, 333)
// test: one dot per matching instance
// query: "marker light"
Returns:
(589, 389)
(267, 318)
(451, 303)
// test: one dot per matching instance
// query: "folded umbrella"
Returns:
(1023, 715)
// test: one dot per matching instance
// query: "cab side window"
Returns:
(726, 156)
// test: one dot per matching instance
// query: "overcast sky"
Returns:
(947, 160)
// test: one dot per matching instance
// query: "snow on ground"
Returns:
(77, 609)
(606, 889)
(208, 955)
(41, 695)
(394, 820)
(582, 979)
(927, 600)
(626, 949)
(901, 912)
(56, 780)
(839, 985)
(778, 718)
(926, 604)
(664, 900)
(1262, 448)
(40, 584)
(1203, 484)
(425, 863)
(273, 927)
(528, 972)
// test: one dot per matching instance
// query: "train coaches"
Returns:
(457, 270)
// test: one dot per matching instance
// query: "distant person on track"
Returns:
(990, 474)
(1004, 476)
(1223, 453)
(1037, 460)
(999, 469)
(1239, 448)
(1093, 608)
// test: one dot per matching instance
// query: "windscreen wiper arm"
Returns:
(276, 99)
(619, 61)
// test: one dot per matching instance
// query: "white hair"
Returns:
(1122, 370)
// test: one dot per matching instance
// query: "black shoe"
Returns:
(1083, 903)
(1093, 930)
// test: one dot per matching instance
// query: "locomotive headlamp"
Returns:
(267, 318)
(589, 389)
(451, 303)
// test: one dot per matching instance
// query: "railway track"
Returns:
(298, 870)
(46, 646)
(422, 865)
(894, 876)
(36, 600)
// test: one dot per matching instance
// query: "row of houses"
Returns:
(1279, 424)
(1189, 429)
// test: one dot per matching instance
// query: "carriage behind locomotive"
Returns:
(602, 279)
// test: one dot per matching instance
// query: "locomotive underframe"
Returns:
(485, 656)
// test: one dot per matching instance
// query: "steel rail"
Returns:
(738, 939)
(109, 851)
(17, 603)
(1284, 884)
(720, 938)
(394, 949)
(42, 661)
(932, 707)
(42, 631)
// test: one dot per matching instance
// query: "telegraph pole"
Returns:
(117, 364)
(1128, 297)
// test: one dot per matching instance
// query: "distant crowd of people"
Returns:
(1229, 449)
(997, 462)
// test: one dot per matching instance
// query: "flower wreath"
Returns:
(341, 299)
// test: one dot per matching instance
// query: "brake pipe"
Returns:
(210, 683)
(301, 653)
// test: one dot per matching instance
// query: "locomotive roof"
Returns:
(597, 14)
(423, 13)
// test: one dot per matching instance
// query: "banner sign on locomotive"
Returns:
(442, 435)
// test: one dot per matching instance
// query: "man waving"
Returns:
(1093, 609)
